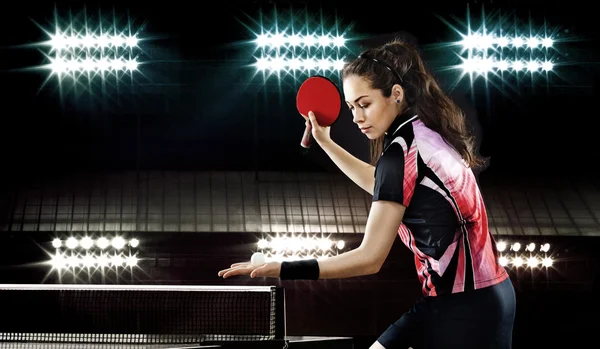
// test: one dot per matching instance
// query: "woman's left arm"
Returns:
(382, 226)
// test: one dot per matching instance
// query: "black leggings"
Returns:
(481, 319)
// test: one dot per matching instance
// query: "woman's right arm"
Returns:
(360, 172)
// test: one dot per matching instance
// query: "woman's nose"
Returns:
(358, 117)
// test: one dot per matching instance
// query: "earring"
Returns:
(398, 101)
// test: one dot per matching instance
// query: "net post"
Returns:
(280, 325)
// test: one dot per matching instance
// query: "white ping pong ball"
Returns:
(257, 258)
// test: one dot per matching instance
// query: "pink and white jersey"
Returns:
(445, 223)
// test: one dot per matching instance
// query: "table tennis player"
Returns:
(424, 191)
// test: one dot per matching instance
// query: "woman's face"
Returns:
(372, 112)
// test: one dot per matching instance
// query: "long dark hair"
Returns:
(422, 95)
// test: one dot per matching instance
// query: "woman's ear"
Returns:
(398, 93)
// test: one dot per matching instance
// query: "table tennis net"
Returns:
(140, 314)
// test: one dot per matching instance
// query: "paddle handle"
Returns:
(305, 142)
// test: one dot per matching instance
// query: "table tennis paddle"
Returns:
(321, 96)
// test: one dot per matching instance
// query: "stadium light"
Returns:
(84, 49)
(295, 53)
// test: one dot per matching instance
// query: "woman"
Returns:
(424, 191)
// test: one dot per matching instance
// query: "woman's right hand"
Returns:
(320, 133)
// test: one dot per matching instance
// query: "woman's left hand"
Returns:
(271, 269)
